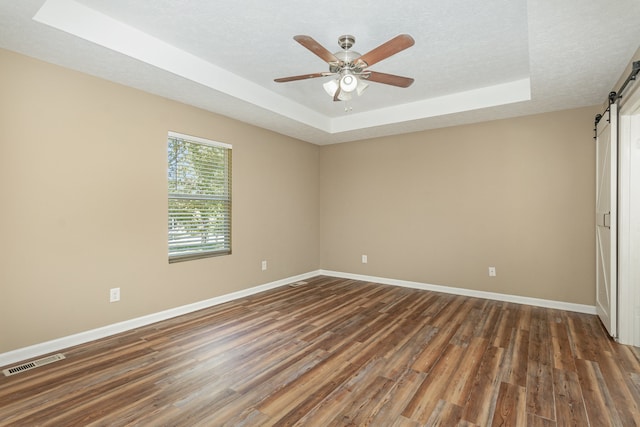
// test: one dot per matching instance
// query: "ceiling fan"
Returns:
(351, 68)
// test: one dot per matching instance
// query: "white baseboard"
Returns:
(560, 305)
(105, 331)
(30, 352)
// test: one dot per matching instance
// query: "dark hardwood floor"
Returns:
(340, 352)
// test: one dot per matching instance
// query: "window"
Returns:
(199, 175)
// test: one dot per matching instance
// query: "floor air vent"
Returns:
(296, 284)
(33, 364)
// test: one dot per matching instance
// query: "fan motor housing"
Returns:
(346, 56)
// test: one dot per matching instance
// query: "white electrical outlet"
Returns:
(492, 272)
(264, 265)
(364, 259)
(114, 294)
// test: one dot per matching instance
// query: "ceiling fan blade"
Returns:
(317, 49)
(388, 79)
(301, 77)
(385, 50)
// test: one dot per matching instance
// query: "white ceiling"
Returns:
(472, 60)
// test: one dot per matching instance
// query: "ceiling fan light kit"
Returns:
(351, 67)
(333, 86)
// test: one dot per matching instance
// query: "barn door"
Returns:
(606, 224)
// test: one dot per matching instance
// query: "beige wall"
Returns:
(442, 206)
(83, 190)
(83, 185)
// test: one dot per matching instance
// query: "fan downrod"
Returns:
(346, 41)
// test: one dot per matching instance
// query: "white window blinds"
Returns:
(199, 176)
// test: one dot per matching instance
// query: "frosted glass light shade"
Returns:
(348, 83)
(361, 87)
(331, 87)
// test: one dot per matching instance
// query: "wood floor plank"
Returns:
(523, 316)
(395, 401)
(455, 308)
(621, 389)
(435, 384)
(430, 354)
(445, 414)
(340, 352)
(488, 322)
(360, 405)
(586, 340)
(536, 421)
(506, 323)
(405, 422)
(628, 358)
(401, 358)
(480, 405)
(601, 408)
(328, 373)
(516, 358)
(563, 358)
(510, 406)
(468, 326)
(540, 348)
(569, 400)
(461, 382)
(539, 390)
(347, 400)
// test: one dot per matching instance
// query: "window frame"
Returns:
(226, 198)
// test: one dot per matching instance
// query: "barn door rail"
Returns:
(614, 96)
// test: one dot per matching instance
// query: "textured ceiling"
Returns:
(472, 61)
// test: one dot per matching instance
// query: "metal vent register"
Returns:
(32, 364)
(296, 284)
